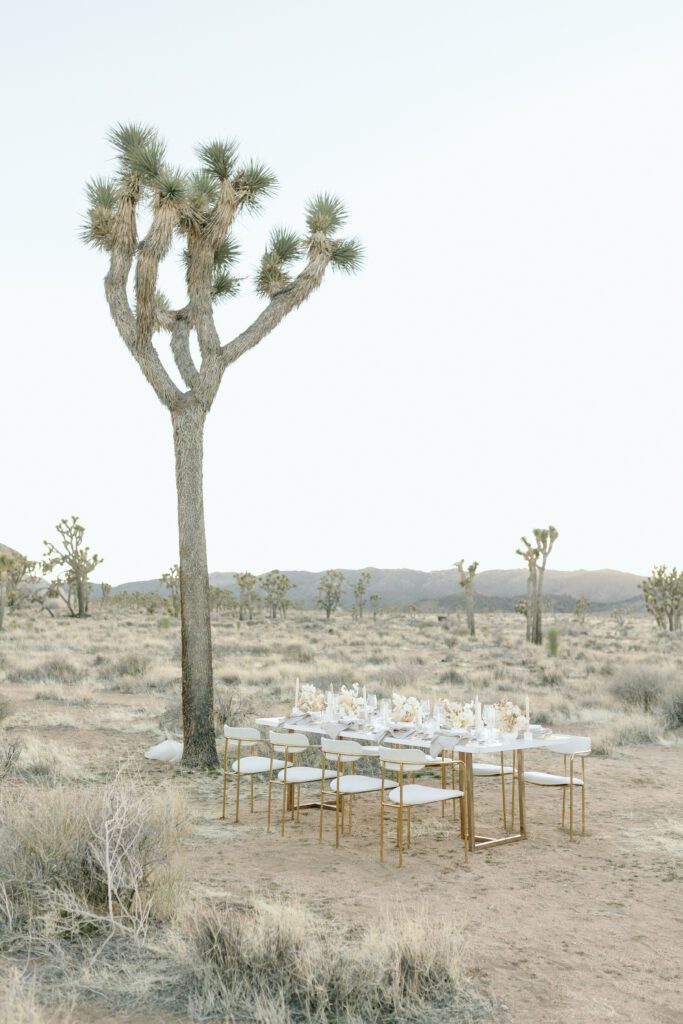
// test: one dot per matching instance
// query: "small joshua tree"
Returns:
(467, 583)
(536, 556)
(581, 609)
(330, 590)
(198, 209)
(246, 581)
(374, 604)
(663, 592)
(171, 581)
(359, 592)
(74, 560)
(15, 569)
(276, 586)
(105, 591)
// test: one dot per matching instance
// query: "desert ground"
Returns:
(540, 931)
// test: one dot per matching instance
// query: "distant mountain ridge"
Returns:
(495, 588)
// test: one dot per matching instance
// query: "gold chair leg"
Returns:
(225, 778)
(514, 765)
(399, 834)
(336, 814)
(502, 782)
(298, 804)
(237, 796)
(408, 817)
(443, 786)
(270, 798)
(251, 794)
(285, 789)
(583, 799)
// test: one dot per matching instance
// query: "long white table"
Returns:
(447, 742)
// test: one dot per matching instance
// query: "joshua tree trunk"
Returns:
(469, 598)
(82, 598)
(537, 636)
(197, 687)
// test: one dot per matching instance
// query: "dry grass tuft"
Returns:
(39, 761)
(273, 960)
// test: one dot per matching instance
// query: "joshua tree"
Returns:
(199, 209)
(15, 569)
(105, 590)
(467, 583)
(536, 556)
(246, 581)
(359, 593)
(663, 592)
(222, 600)
(275, 586)
(75, 561)
(329, 591)
(581, 609)
(171, 581)
(374, 602)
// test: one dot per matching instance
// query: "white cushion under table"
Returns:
(416, 794)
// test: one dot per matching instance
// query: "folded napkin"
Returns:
(294, 721)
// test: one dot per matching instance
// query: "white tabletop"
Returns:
(447, 740)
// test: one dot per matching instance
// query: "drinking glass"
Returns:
(372, 701)
(385, 710)
(425, 707)
(438, 715)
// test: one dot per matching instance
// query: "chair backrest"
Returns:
(344, 751)
(233, 732)
(572, 745)
(408, 758)
(291, 741)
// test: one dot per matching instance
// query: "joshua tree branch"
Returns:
(180, 347)
(277, 309)
(145, 355)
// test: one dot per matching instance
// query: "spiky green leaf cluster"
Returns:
(97, 228)
(224, 285)
(227, 254)
(284, 248)
(253, 183)
(218, 157)
(348, 255)
(325, 214)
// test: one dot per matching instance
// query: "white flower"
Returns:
(406, 709)
(349, 701)
(509, 717)
(458, 716)
(311, 698)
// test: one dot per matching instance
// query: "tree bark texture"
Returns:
(198, 726)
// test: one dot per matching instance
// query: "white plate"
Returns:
(402, 725)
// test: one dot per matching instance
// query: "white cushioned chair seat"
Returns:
(482, 768)
(370, 751)
(439, 760)
(251, 765)
(361, 784)
(302, 773)
(415, 794)
(544, 779)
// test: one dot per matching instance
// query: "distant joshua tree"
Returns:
(663, 592)
(536, 556)
(359, 592)
(374, 604)
(467, 583)
(171, 581)
(330, 591)
(581, 609)
(105, 590)
(15, 569)
(276, 586)
(246, 581)
(76, 563)
(199, 209)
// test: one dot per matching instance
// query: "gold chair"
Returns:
(491, 770)
(250, 766)
(293, 774)
(405, 763)
(570, 747)
(341, 753)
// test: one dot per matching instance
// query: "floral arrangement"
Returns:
(458, 716)
(349, 700)
(509, 717)
(406, 709)
(311, 698)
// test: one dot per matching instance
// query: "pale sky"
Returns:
(511, 354)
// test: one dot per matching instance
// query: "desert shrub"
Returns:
(107, 850)
(131, 664)
(626, 731)
(551, 675)
(39, 761)
(271, 961)
(59, 670)
(297, 652)
(672, 709)
(640, 687)
(553, 642)
(452, 678)
(5, 709)
(19, 1003)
